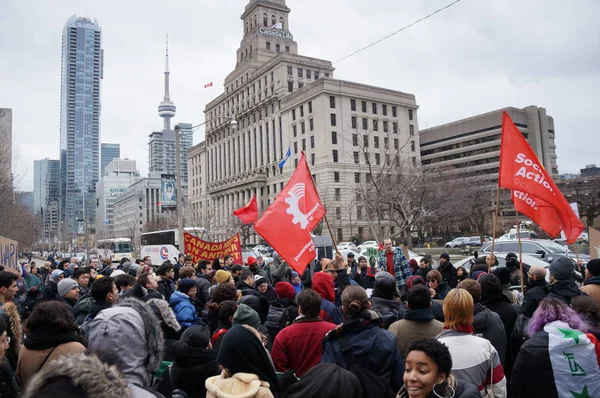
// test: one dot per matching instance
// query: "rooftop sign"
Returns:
(277, 33)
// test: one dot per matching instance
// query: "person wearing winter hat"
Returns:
(182, 303)
(477, 274)
(296, 283)
(447, 270)
(264, 288)
(244, 315)
(68, 291)
(414, 265)
(503, 274)
(285, 290)
(323, 285)
(562, 286)
(223, 277)
(255, 267)
(591, 285)
(282, 311)
(385, 299)
(514, 266)
(363, 274)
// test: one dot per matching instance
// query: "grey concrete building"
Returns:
(281, 99)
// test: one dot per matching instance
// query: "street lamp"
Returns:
(179, 196)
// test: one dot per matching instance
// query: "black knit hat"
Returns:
(185, 285)
(593, 266)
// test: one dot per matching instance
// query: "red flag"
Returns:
(287, 223)
(521, 170)
(542, 213)
(208, 85)
(249, 213)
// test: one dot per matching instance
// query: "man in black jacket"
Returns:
(424, 266)
(203, 282)
(166, 286)
(536, 291)
(246, 284)
(562, 286)
(448, 271)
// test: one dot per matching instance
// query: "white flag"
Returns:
(278, 25)
(575, 208)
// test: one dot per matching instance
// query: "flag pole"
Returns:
(520, 252)
(495, 223)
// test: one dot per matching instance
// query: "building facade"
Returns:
(108, 153)
(282, 100)
(46, 196)
(6, 148)
(118, 175)
(82, 59)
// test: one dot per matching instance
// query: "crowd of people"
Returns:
(346, 328)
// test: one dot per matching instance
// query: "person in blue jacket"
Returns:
(183, 305)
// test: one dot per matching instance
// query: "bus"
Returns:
(164, 245)
(115, 249)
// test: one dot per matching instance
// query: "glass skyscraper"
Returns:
(82, 59)
(108, 152)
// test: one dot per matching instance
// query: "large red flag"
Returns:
(249, 213)
(540, 212)
(287, 223)
(521, 170)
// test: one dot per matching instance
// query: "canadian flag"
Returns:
(522, 172)
(287, 222)
(249, 213)
(208, 85)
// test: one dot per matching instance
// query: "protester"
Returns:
(171, 329)
(414, 266)
(279, 271)
(264, 289)
(247, 368)
(203, 283)
(514, 266)
(219, 294)
(254, 264)
(68, 292)
(225, 312)
(351, 263)
(178, 265)
(326, 380)
(224, 278)
(591, 285)
(447, 270)
(298, 347)
(589, 312)
(361, 344)
(424, 266)
(104, 295)
(364, 275)
(429, 373)
(51, 333)
(461, 274)
(559, 353)
(124, 282)
(474, 359)
(296, 283)
(418, 320)
(10, 314)
(503, 275)
(282, 311)
(131, 331)
(193, 363)
(246, 284)
(438, 289)
(436, 307)
(236, 272)
(78, 375)
(32, 279)
(385, 300)
(81, 275)
(166, 286)
(562, 285)
(182, 303)
(393, 261)
(537, 289)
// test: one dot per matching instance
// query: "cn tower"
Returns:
(166, 109)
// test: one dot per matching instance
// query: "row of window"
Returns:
(375, 107)
(309, 73)
(277, 47)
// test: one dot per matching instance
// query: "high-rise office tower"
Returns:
(108, 153)
(82, 59)
(46, 196)
(161, 146)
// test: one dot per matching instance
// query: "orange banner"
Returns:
(202, 250)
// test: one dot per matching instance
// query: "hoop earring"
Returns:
(441, 396)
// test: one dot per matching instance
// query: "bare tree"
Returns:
(586, 192)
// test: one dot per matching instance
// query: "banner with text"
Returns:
(9, 255)
(202, 250)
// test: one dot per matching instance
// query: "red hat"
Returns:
(251, 261)
(285, 290)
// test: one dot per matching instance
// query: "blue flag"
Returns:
(285, 158)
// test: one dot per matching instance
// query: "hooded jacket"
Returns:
(449, 274)
(489, 325)
(184, 309)
(536, 292)
(323, 284)
(190, 375)
(240, 385)
(389, 310)
(564, 290)
(131, 331)
(415, 325)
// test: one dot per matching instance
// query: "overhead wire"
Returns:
(398, 31)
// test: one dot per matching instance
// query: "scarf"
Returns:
(49, 336)
(462, 328)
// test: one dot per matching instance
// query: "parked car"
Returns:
(411, 254)
(261, 248)
(512, 235)
(347, 246)
(527, 260)
(458, 242)
(547, 250)
(366, 244)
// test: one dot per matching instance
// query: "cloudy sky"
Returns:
(474, 57)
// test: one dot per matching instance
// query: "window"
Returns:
(312, 141)
(295, 147)
(295, 163)
(312, 159)
(333, 137)
(412, 146)
(269, 46)
(308, 74)
(412, 130)
(374, 106)
(354, 139)
(385, 126)
(394, 113)
(311, 124)
(356, 160)
(357, 178)
(293, 114)
(377, 159)
(340, 234)
(376, 142)
(396, 146)
(364, 106)
(303, 144)
(333, 120)
(287, 49)
(365, 123)
(384, 109)
(332, 102)
(301, 110)
(414, 160)
(314, 176)
(367, 157)
(278, 48)
(366, 141)
(338, 215)
(375, 125)
(395, 128)
(353, 122)
(302, 127)
(353, 105)
(309, 106)
(295, 130)
(300, 84)
(338, 194)
(335, 156)
(386, 142)
(290, 87)
(300, 72)
(359, 212)
(410, 114)
(316, 75)
(290, 71)
(336, 176)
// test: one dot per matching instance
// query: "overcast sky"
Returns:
(474, 57)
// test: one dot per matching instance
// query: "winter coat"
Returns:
(32, 281)
(449, 274)
(242, 385)
(246, 289)
(31, 361)
(422, 272)
(323, 285)
(389, 310)
(166, 287)
(564, 290)
(279, 272)
(192, 376)
(203, 284)
(442, 291)
(502, 306)
(536, 292)
(475, 360)
(270, 294)
(462, 389)
(91, 312)
(299, 347)
(415, 325)
(402, 270)
(184, 309)
(490, 326)
(371, 346)
(364, 278)
(591, 287)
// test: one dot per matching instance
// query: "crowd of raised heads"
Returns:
(393, 328)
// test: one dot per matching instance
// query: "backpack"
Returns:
(373, 384)
(277, 319)
(519, 335)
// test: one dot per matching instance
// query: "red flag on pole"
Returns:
(208, 85)
(287, 223)
(521, 171)
(249, 213)
(542, 213)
